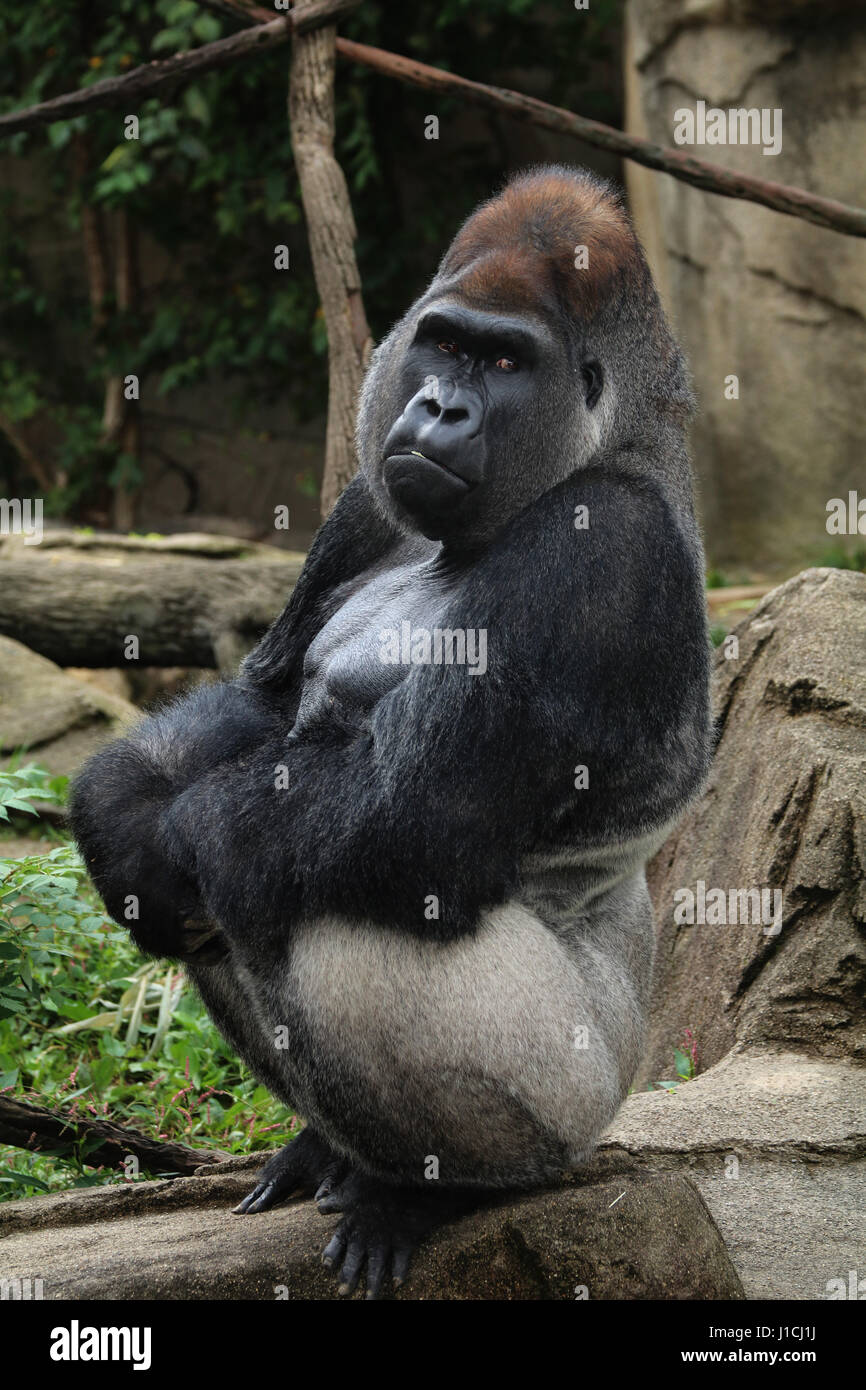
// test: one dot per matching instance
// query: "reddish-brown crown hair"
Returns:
(518, 250)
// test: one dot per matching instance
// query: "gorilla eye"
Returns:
(506, 364)
(447, 345)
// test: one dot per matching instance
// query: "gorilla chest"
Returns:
(351, 665)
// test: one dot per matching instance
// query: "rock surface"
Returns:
(784, 809)
(638, 1236)
(55, 719)
(753, 293)
(776, 1144)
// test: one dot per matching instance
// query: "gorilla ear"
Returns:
(593, 381)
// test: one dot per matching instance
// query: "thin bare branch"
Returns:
(116, 91)
(795, 202)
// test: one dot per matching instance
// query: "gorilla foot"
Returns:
(303, 1166)
(382, 1227)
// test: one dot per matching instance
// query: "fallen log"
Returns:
(182, 611)
(95, 1142)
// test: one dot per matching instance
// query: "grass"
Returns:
(88, 1027)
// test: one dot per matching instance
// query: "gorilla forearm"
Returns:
(121, 798)
(339, 839)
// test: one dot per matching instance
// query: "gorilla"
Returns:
(403, 852)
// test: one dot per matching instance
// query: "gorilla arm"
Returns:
(458, 774)
(121, 798)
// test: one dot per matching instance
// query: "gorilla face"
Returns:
(458, 460)
(521, 362)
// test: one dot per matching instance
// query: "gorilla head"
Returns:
(540, 341)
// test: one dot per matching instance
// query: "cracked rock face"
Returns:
(769, 299)
(785, 810)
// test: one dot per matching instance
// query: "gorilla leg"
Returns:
(453, 1072)
(490, 1062)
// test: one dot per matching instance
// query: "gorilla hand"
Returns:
(121, 806)
(118, 813)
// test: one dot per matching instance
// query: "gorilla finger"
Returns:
(246, 1204)
(336, 1173)
(352, 1265)
(402, 1260)
(273, 1195)
(377, 1263)
(333, 1251)
(330, 1198)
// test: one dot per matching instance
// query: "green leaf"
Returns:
(27, 1178)
(104, 1020)
(117, 154)
(207, 28)
(682, 1063)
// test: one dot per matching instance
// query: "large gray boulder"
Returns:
(775, 1141)
(637, 1236)
(784, 810)
(773, 1130)
(54, 719)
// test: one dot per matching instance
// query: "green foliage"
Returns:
(21, 787)
(841, 558)
(87, 1028)
(685, 1063)
(716, 579)
(211, 185)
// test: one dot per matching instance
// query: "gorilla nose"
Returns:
(444, 430)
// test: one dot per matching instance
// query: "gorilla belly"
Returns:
(495, 1060)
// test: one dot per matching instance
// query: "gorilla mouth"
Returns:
(425, 490)
(399, 463)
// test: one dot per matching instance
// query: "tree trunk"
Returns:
(332, 233)
(126, 420)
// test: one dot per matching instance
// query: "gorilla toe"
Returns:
(303, 1166)
(381, 1228)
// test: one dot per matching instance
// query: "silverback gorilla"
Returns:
(408, 882)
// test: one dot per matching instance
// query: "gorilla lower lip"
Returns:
(433, 463)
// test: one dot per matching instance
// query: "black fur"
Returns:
(431, 782)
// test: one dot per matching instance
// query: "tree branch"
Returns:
(118, 91)
(332, 235)
(795, 202)
(35, 1129)
(151, 77)
(31, 461)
